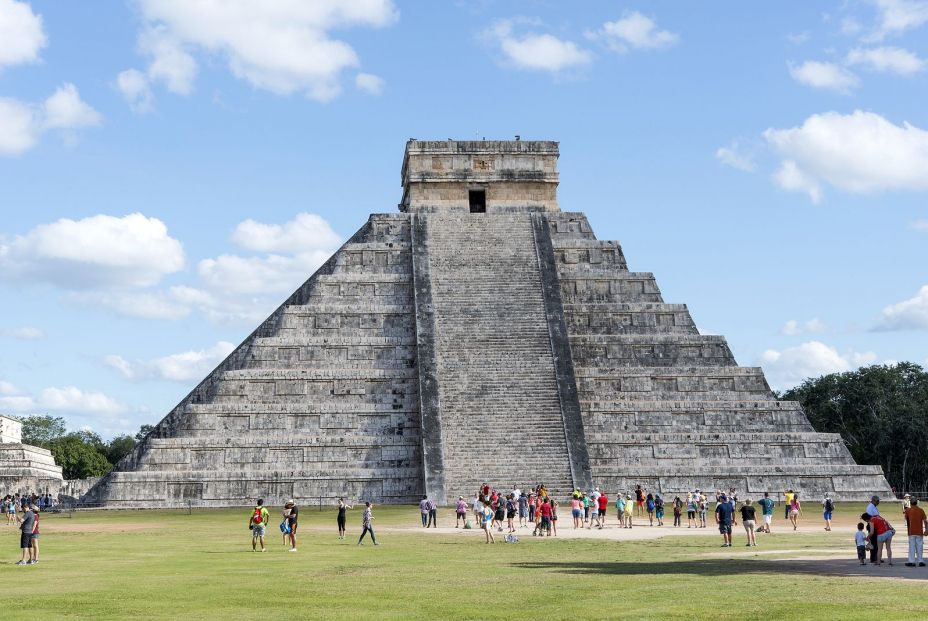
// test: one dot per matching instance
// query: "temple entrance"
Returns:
(477, 200)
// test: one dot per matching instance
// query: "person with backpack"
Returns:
(285, 525)
(293, 522)
(828, 506)
(659, 509)
(257, 524)
(649, 505)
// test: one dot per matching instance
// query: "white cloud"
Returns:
(812, 326)
(24, 333)
(860, 152)
(21, 33)
(911, 314)
(369, 83)
(635, 31)
(789, 367)
(887, 60)
(164, 305)
(850, 26)
(307, 232)
(133, 85)
(733, 156)
(21, 124)
(234, 274)
(283, 46)
(897, 16)
(68, 399)
(536, 52)
(99, 251)
(920, 225)
(824, 75)
(183, 367)
(6, 388)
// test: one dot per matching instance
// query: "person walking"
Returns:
(724, 513)
(367, 524)
(917, 526)
(257, 523)
(766, 507)
(795, 510)
(659, 509)
(872, 510)
(828, 507)
(342, 517)
(649, 506)
(747, 520)
(788, 501)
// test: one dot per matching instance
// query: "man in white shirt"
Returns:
(871, 508)
(872, 511)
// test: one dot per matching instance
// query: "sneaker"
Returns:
(921, 564)
(292, 550)
(360, 544)
(30, 562)
(376, 544)
(724, 545)
(20, 562)
(747, 545)
(910, 564)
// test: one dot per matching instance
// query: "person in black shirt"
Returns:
(747, 519)
(293, 520)
(342, 508)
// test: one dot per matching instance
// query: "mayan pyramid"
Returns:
(480, 334)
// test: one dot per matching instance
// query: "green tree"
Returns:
(881, 413)
(144, 430)
(78, 458)
(119, 447)
(42, 430)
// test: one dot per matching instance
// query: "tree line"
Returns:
(881, 412)
(80, 454)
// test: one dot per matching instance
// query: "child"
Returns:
(860, 539)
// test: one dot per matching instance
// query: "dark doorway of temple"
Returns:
(477, 200)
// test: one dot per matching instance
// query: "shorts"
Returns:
(25, 540)
(794, 512)
(885, 536)
(35, 535)
(660, 513)
(768, 517)
(545, 522)
(462, 514)
(725, 529)
(595, 514)
(293, 525)
(510, 515)
(691, 515)
(258, 530)
(640, 502)
(827, 515)
(748, 525)
(523, 512)
(576, 513)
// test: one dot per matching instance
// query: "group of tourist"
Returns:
(875, 533)
(260, 516)
(23, 512)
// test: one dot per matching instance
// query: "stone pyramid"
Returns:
(480, 334)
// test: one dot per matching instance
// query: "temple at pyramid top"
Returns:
(480, 176)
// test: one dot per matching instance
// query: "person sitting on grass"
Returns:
(257, 524)
(724, 512)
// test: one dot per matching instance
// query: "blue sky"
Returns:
(170, 171)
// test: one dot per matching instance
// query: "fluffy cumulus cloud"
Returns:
(812, 326)
(634, 31)
(285, 46)
(307, 232)
(732, 155)
(22, 124)
(67, 400)
(824, 75)
(911, 314)
(887, 60)
(895, 17)
(133, 84)
(861, 152)
(21, 33)
(788, 367)
(99, 251)
(183, 367)
(534, 51)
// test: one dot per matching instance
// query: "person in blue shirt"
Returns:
(724, 515)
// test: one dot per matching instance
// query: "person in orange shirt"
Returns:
(918, 525)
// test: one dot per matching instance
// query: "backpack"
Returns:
(829, 506)
(285, 527)
(256, 516)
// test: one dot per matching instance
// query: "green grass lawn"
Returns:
(167, 564)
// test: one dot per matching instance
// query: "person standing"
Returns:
(511, 508)
(860, 541)
(486, 521)
(477, 506)
(629, 508)
(594, 511)
(788, 501)
(795, 510)
(257, 523)
(342, 517)
(649, 506)
(26, 524)
(828, 506)
(424, 511)
(690, 510)
(285, 524)
(766, 506)
(677, 510)
(723, 517)
(35, 535)
(293, 521)
(873, 510)
(433, 514)
(545, 518)
(523, 510)
(747, 520)
(702, 503)
(603, 501)
(917, 524)
(460, 511)
(659, 509)
(367, 524)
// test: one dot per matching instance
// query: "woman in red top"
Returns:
(884, 537)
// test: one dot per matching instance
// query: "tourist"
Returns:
(342, 517)
(639, 500)
(747, 519)
(554, 506)
(367, 524)
(884, 538)
(860, 540)
(500, 514)
(795, 510)
(691, 510)
(594, 511)
(788, 500)
(628, 511)
(35, 535)
(523, 510)
(702, 504)
(872, 510)
(285, 524)
(917, 526)
(546, 513)
(433, 514)
(586, 507)
(477, 506)
(766, 506)
(649, 506)
(9, 507)
(723, 517)
(293, 521)
(603, 502)
(576, 512)
(620, 508)
(906, 502)
(531, 507)
(511, 513)
(424, 511)
(257, 523)
(460, 511)
(659, 509)
(828, 507)
(26, 525)
(486, 520)
(677, 510)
